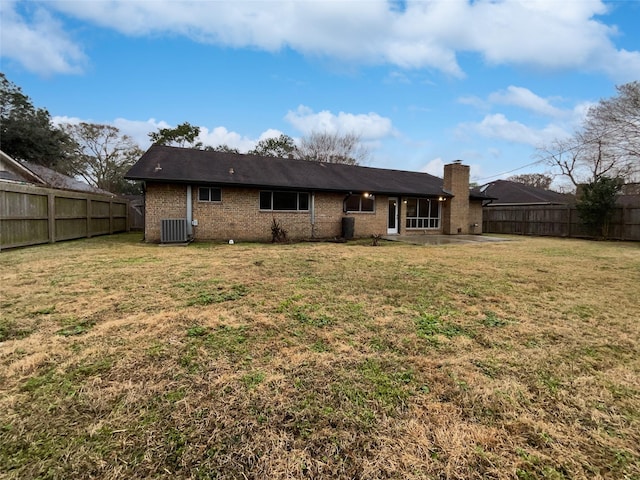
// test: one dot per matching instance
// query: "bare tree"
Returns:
(608, 145)
(333, 148)
(614, 125)
(102, 156)
(564, 155)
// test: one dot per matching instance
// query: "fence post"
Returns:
(51, 216)
(88, 217)
(110, 217)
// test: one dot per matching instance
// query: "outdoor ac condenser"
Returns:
(173, 230)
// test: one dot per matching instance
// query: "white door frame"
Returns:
(392, 217)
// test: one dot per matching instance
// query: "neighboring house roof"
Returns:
(58, 180)
(505, 192)
(30, 172)
(7, 175)
(14, 171)
(181, 165)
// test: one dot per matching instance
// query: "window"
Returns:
(284, 201)
(423, 213)
(360, 203)
(209, 194)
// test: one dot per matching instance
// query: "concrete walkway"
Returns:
(442, 239)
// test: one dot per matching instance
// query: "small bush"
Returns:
(278, 233)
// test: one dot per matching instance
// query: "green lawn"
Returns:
(510, 360)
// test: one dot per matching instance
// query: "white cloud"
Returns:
(38, 43)
(59, 120)
(370, 126)
(139, 130)
(398, 77)
(434, 167)
(221, 136)
(425, 34)
(525, 98)
(270, 133)
(498, 126)
(474, 101)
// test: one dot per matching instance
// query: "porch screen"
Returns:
(423, 213)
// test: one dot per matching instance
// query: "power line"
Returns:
(514, 170)
(561, 152)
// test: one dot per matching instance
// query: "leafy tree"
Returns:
(596, 204)
(221, 148)
(333, 148)
(538, 180)
(26, 132)
(282, 147)
(184, 135)
(102, 156)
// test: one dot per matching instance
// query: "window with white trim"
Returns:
(209, 194)
(360, 203)
(422, 213)
(288, 201)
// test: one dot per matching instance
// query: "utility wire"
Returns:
(561, 152)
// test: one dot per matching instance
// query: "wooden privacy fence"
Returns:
(31, 215)
(557, 221)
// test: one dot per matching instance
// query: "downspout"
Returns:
(344, 202)
(189, 213)
(313, 214)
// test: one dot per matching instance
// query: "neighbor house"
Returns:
(23, 172)
(207, 195)
(39, 205)
(513, 194)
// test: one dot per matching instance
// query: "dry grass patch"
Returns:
(514, 360)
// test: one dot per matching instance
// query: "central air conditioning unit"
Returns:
(173, 230)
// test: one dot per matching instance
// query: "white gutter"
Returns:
(189, 212)
(313, 214)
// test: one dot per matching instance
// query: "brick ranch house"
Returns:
(222, 196)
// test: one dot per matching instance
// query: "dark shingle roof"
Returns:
(58, 180)
(30, 172)
(505, 192)
(6, 175)
(171, 164)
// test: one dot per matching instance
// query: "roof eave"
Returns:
(287, 187)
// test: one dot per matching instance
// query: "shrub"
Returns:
(278, 233)
(597, 203)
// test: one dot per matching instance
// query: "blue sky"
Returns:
(422, 82)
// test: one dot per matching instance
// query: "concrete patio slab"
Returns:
(443, 239)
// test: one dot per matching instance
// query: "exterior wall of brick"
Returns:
(455, 213)
(238, 216)
(162, 201)
(475, 216)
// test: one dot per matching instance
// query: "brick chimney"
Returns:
(455, 212)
